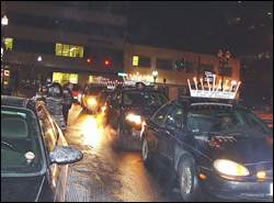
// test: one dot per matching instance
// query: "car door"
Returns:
(115, 108)
(173, 129)
(51, 139)
(156, 130)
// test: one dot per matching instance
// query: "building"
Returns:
(67, 41)
(257, 77)
(141, 61)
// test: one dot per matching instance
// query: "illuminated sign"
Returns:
(214, 90)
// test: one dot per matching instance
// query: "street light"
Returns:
(155, 75)
(223, 57)
(4, 20)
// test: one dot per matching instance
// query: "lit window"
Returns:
(65, 50)
(58, 49)
(8, 43)
(135, 60)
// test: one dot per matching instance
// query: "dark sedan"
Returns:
(212, 148)
(34, 153)
(129, 108)
(91, 98)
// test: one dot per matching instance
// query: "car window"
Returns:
(160, 116)
(224, 120)
(20, 146)
(50, 135)
(175, 117)
(142, 98)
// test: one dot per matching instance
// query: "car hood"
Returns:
(20, 189)
(241, 149)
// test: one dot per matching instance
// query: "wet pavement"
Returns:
(108, 175)
(105, 174)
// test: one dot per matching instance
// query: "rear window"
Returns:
(20, 149)
(141, 98)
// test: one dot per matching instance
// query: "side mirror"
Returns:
(65, 155)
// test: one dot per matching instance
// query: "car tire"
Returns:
(188, 181)
(145, 153)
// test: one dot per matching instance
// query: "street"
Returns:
(105, 175)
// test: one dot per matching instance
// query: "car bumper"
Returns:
(238, 190)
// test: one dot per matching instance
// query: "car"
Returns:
(91, 98)
(34, 153)
(129, 107)
(211, 147)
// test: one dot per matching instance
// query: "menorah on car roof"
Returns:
(213, 90)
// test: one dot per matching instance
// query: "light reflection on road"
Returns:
(122, 174)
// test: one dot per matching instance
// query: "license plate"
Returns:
(271, 189)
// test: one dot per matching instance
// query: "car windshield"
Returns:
(20, 149)
(141, 98)
(225, 120)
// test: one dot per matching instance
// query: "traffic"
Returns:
(208, 146)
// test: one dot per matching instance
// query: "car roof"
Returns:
(14, 101)
(18, 102)
(196, 101)
(139, 89)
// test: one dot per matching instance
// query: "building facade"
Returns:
(141, 61)
(69, 41)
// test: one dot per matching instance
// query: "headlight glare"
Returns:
(134, 118)
(230, 168)
(92, 102)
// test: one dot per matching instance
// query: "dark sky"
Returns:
(203, 26)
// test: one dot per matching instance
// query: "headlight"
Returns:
(92, 102)
(134, 118)
(230, 168)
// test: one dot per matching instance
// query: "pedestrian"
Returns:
(68, 100)
(55, 102)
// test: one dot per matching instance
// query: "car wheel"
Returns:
(188, 182)
(145, 152)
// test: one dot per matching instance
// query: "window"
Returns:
(65, 50)
(64, 78)
(159, 116)
(8, 42)
(175, 118)
(164, 64)
(135, 61)
(141, 61)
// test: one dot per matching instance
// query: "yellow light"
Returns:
(92, 131)
(92, 102)
(202, 176)
(230, 168)
(261, 175)
(135, 60)
(134, 118)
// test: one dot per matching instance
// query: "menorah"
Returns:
(213, 90)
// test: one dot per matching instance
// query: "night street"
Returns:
(128, 101)
(105, 175)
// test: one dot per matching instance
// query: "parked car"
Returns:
(91, 98)
(34, 153)
(129, 108)
(212, 147)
